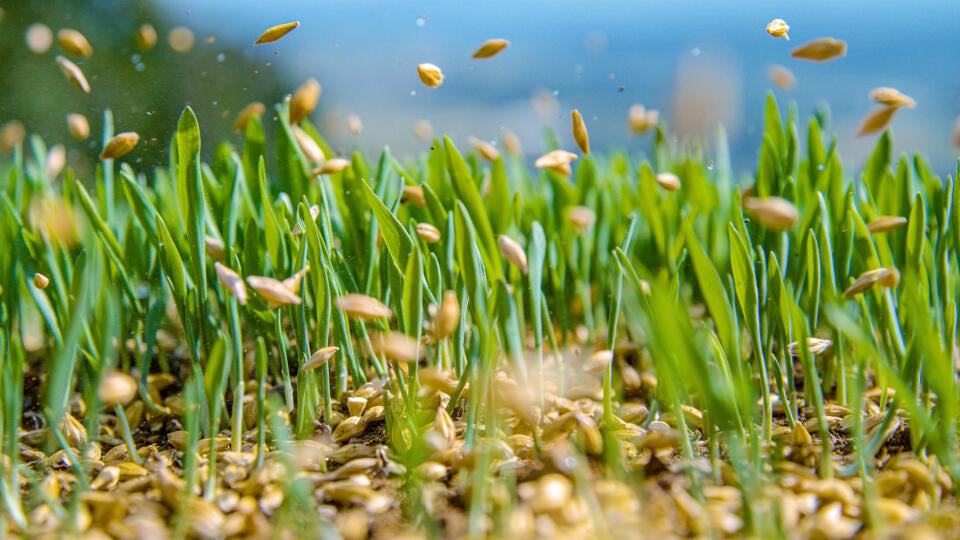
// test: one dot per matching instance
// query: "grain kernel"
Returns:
(243, 117)
(120, 145)
(232, 282)
(276, 32)
(668, 181)
(181, 39)
(892, 97)
(490, 48)
(73, 74)
(513, 253)
(304, 100)
(78, 126)
(877, 120)
(820, 50)
(428, 233)
(430, 75)
(40, 281)
(146, 37)
(580, 134)
(363, 307)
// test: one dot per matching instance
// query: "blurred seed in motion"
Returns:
(513, 253)
(490, 48)
(430, 75)
(320, 358)
(557, 161)
(885, 277)
(310, 148)
(120, 145)
(884, 224)
(232, 282)
(814, 345)
(395, 346)
(778, 28)
(243, 118)
(146, 37)
(820, 50)
(78, 126)
(56, 161)
(582, 218)
(773, 213)
(413, 195)
(877, 120)
(640, 119)
(354, 125)
(892, 97)
(422, 130)
(782, 77)
(668, 181)
(273, 291)
(75, 43)
(428, 233)
(363, 307)
(11, 134)
(332, 166)
(448, 316)
(116, 388)
(276, 32)
(486, 150)
(39, 38)
(73, 74)
(181, 39)
(511, 143)
(40, 281)
(580, 132)
(304, 100)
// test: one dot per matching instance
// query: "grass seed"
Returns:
(413, 195)
(877, 120)
(430, 75)
(243, 117)
(276, 32)
(428, 233)
(448, 316)
(892, 97)
(39, 38)
(422, 130)
(363, 307)
(486, 150)
(274, 292)
(320, 358)
(580, 134)
(75, 43)
(79, 126)
(885, 277)
(232, 282)
(181, 39)
(774, 213)
(782, 77)
(332, 166)
(557, 161)
(511, 143)
(146, 37)
(820, 50)
(304, 100)
(668, 181)
(73, 74)
(116, 388)
(513, 253)
(120, 145)
(640, 120)
(40, 281)
(490, 48)
(884, 224)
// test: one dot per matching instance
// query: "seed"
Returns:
(348, 429)
(557, 161)
(11, 134)
(395, 346)
(778, 28)
(117, 388)
(884, 224)
(820, 50)
(78, 126)
(274, 292)
(355, 405)
(668, 181)
(354, 125)
(877, 120)
(120, 145)
(56, 161)
(232, 282)
(582, 218)
(40, 281)
(511, 143)
(486, 150)
(74, 42)
(213, 247)
(800, 436)
(243, 118)
(74, 431)
(490, 48)
(146, 37)
(814, 345)
(430, 75)
(292, 283)
(363, 307)
(892, 97)
(513, 252)
(332, 166)
(304, 100)
(320, 358)
(276, 32)
(598, 361)
(428, 233)
(580, 132)
(311, 150)
(73, 74)
(641, 120)
(39, 38)
(181, 39)
(448, 316)
(773, 213)
(414, 196)
(782, 77)
(422, 130)
(885, 277)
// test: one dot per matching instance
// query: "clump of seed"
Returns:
(73, 74)
(668, 181)
(430, 75)
(448, 316)
(232, 282)
(75, 43)
(354, 125)
(778, 28)
(557, 161)
(490, 48)
(513, 253)
(892, 97)
(877, 120)
(40, 281)
(274, 292)
(146, 37)
(39, 38)
(117, 388)
(486, 150)
(320, 358)
(243, 117)
(820, 50)
(511, 143)
(580, 134)
(276, 32)
(773, 213)
(332, 166)
(640, 119)
(428, 233)
(884, 224)
(885, 277)
(414, 196)
(120, 145)
(395, 346)
(181, 39)
(78, 126)
(782, 77)
(304, 100)
(422, 130)
(363, 307)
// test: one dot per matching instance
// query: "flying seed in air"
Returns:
(39, 38)
(75, 43)
(73, 74)
(511, 142)
(448, 316)
(56, 161)
(486, 150)
(557, 161)
(640, 119)
(78, 126)
(582, 217)
(120, 145)
(820, 50)
(885, 277)
(395, 346)
(146, 37)
(782, 77)
(668, 181)
(430, 75)
(276, 32)
(580, 132)
(304, 100)
(490, 48)
(422, 130)
(308, 145)
(363, 307)
(320, 358)
(773, 213)
(892, 97)
(292, 283)
(243, 117)
(513, 253)
(354, 125)
(428, 233)
(274, 292)
(414, 196)
(814, 345)
(40, 281)
(877, 120)
(778, 28)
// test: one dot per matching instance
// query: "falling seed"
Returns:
(11, 134)
(363, 307)
(448, 316)
(422, 130)
(273, 291)
(75, 43)
(73, 74)
(181, 39)
(511, 143)
(782, 77)
(668, 181)
(582, 218)
(320, 358)
(885, 277)
(820, 50)
(243, 118)
(310, 148)
(428, 233)
(580, 132)
(490, 48)
(430, 75)
(276, 32)
(486, 150)
(778, 28)
(557, 161)
(640, 119)
(892, 97)
(40, 281)
(116, 388)
(395, 346)
(884, 224)
(146, 37)
(304, 100)
(78, 126)
(39, 38)
(292, 283)
(120, 145)
(814, 345)
(56, 161)
(354, 125)
(877, 120)
(232, 282)
(513, 252)
(773, 213)
(332, 166)
(413, 195)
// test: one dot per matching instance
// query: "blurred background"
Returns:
(698, 62)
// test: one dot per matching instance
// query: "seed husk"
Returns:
(490, 48)
(78, 126)
(513, 253)
(422, 130)
(332, 166)
(640, 119)
(311, 150)
(486, 150)
(243, 117)
(820, 50)
(782, 77)
(877, 120)
(40, 281)
(232, 282)
(892, 97)
(557, 161)
(395, 346)
(75, 43)
(414, 196)
(120, 145)
(320, 358)
(580, 134)
(304, 100)
(39, 38)
(668, 181)
(448, 316)
(276, 32)
(274, 292)
(428, 233)
(146, 37)
(430, 75)
(181, 39)
(354, 125)
(363, 307)
(885, 277)
(778, 28)
(73, 74)
(773, 213)
(884, 224)
(511, 143)
(117, 388)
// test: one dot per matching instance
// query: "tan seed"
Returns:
(820, 50)
(511, 143)
(11, 134)
(348, 429)
(354, 125)
(40, 281)
(430, 75)
(422, 130)
(75, 43)
(413, 195)
(428, 233)
(120, 145)
(332, 166)
(395, 346)
(580, 132)
(73, 74)
(292, 283)
(582, 218)
(513, 253)
(782, 77)
(308, 145)
(884, 224)
(56, 161)
(304, 100)
(273, 291)
(355, 405)
(486, 150)
(773, 213)
(490, 48)
(232, 282)
(320, 358)
(448, 316)
(641, 120)
(800, 436)
(778, 28)
(363, 307)
(213, 247)
(668, 181)
(557, 161)
(181, 39)
(78, 126)
(814, 345)
(892, 97)
(117, 388)
(39, 38)
(598, 361)
(146, 37)
(885, 277)
(243, 118)
(276, 32)
(314, 212)
(877, 120)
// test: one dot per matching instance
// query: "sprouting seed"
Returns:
(181, 39)
(213, 247)
(120, 145)
(292, 283)
(363, 307)
(511, 143)
(448, 316)
(490, 48)
(640, 119)
(782, 77)
(814, 345)
(885, 277)
(276, 32)
(582, 217)
(304, 100)
(274, 292)
(414, 196)
(39, 38)
(308, 145)
(430, 75)
(243, 118)
(422, 130)
(40, 281)
(332, 166)
(428, 233)
(557, 161)
(820, 50)
(513, 252)
(78, 126)
(773, 213)
(485, 149)
(146, 37)
(884, 224)
(395, 346)
(580, 134)
(232, 282)
(892, 97)
(877, 120)
(778, 28)
(73, 74)
(320, 358)
(74, 42)
(116, 388)
(668, 181)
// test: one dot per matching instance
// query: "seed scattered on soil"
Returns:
(116, 388)
(276, 32)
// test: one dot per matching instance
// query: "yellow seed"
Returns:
(56, 161)
(304, 100)
(513, 252)
(40, 281)
(778, 28)
(181, 39)
(74, 42)
(422, 130)
(490, 48)
(292, 283)
(320, 358)
(276, 32)
(557, 161)
(428, 233)
(273, 291)
(232, 282)
(772, 212)
(485, 149)
(884, 224)
(73, 74)
(146, 37)
(308, 145)
(800, 436)
(354, 125)
(331, 166)
(448, 316)
(243, 118)
(885, 277)
(580, 132)
(640, 119)
(39, 38)
(11, 134)
(814, 345)
(395, 346)
(582, 217)
(117, 388)
(430, 75)
(668, 181)
(414, 196)
(782, 77)
(820, 50)
(363, 307)
(78, 126)
(892, 97)
(877, 120)
(511, 143)
(120, 145)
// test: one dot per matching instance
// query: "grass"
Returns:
(699, 420)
